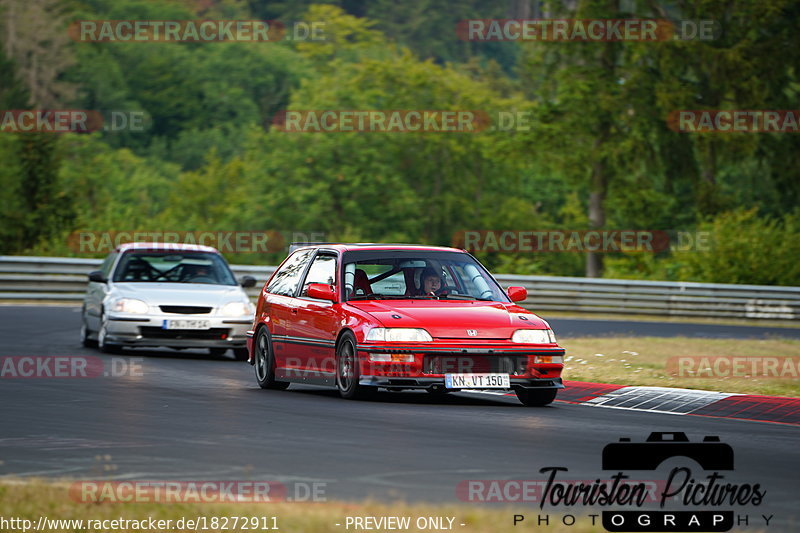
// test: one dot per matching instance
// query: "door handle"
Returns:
(294, 311)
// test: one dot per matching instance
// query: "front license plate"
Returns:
(186, 324)
(476, 381)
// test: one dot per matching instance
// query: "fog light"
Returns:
(391, 357)
(558, 359)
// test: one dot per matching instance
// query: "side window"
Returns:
(322, 270)
(105, 268)
(285, 280)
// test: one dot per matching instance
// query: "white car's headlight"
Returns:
(237, 309)
(130, 305)
(534, 336)
(399, 335)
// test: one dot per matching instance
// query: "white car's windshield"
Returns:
(390, 274)
(173, 267)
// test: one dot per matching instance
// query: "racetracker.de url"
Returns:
(162, 525)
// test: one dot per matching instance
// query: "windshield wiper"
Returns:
(391, 297)
(404, 297)
(464, 297)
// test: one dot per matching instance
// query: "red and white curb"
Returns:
(658, 399)
(683, 401)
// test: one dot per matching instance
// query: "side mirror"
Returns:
(97, 276)
(247, 282)
(321, 291)
(517, 294)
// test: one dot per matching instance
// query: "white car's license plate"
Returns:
(186, 324)
(476, 381)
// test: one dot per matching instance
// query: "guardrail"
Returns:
(64, 279)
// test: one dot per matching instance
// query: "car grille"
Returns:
(185, 309)
(153, 332)
(468, 364)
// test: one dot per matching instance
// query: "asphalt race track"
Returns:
(190, 416)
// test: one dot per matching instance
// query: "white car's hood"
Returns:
(198, 294)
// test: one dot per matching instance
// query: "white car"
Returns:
(164, 294)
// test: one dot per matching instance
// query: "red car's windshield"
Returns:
(401, 274)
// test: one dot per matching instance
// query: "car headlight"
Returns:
(399, 335)
(237, 309)
(130, 305)
(534, 336)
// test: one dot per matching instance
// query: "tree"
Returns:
(746, 248)
(585, 119)
(34, 35)
(13, 95)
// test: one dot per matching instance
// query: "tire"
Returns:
(241, 354)
(104, 346)
(265, 363)
(536, 398)
(86, 342)
(347, 370)
(217, 352)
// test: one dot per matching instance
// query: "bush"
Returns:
(746, 248)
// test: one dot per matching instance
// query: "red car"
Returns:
(366, 316)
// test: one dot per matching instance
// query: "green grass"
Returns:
(643, 360)
(720, 321)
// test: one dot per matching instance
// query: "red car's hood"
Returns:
(451, 319)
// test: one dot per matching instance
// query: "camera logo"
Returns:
(710, 454)
(712, 499)
(715, 495)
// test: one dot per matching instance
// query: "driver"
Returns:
(197, 273)
(430, 282)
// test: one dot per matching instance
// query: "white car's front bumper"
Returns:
(149, 330)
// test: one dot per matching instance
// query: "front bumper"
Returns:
(438, 383)
(149, 331)
(528, 366)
